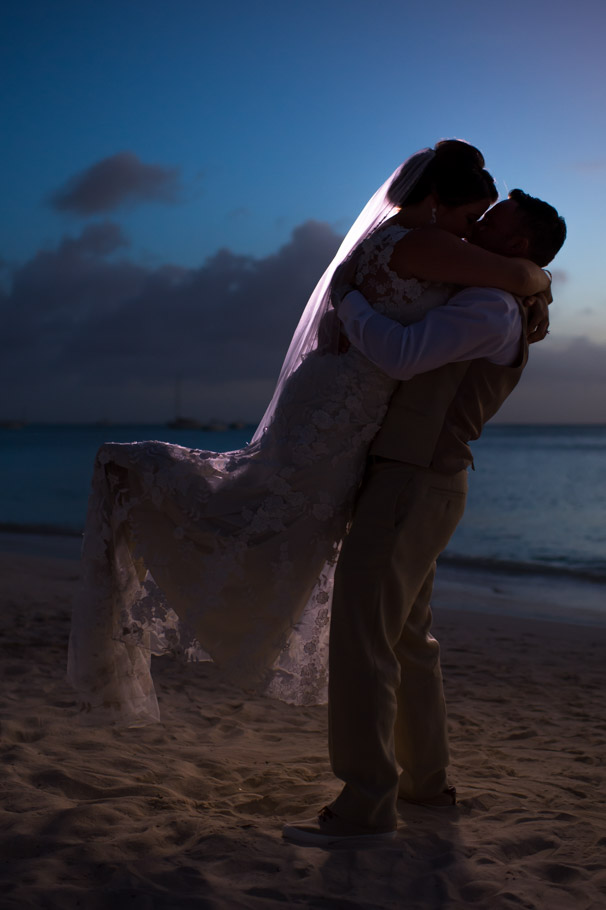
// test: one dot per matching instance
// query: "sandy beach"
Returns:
(188, 813)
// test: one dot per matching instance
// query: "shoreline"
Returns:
(547, 598)
(11, 533)
(474, 586)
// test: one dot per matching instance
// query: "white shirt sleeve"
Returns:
(475, 322)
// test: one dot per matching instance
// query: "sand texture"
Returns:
(188, 814)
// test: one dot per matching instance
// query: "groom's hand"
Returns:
(340, 286)
(342, 282)
(538, 315)
(331, 339)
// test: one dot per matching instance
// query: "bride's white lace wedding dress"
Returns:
(233, 552)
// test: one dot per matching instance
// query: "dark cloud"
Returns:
(60, 289)
(88, 333)
(564, 382)
(574, 360)
(115, 181)
(87, 315)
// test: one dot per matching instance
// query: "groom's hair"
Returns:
(542, 226)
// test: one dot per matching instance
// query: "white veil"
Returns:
(379, 207)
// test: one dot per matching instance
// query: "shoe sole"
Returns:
(310, 838)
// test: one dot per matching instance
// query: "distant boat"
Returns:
(180, 422)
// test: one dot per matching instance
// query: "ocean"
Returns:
(537, 499)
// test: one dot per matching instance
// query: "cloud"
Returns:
(563, 382)
(596, 166)
(573, 360)
(89, 333)
(58, 289)
(116, 181)
(83, 323)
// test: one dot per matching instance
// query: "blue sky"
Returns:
(269, 117)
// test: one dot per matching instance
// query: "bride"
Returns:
(230, 556)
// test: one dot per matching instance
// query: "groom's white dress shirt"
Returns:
(474, 323)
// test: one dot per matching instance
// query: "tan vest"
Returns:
(433, 416)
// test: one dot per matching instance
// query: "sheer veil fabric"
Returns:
(377, 210)
(230, 555)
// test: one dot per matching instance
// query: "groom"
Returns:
(387, 716)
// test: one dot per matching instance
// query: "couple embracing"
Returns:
(364, 449)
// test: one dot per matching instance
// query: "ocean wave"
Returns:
(595, 572)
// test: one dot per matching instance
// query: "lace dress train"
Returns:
(230, 555)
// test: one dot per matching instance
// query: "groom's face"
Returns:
(499, 231)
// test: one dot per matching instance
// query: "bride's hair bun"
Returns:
(457, 153)
(455, 174)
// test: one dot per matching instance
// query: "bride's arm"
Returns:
(435, 255)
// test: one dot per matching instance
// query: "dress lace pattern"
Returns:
(230, 556)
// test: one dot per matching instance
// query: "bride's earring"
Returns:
(433, 216)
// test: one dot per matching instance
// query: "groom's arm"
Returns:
(476, 322)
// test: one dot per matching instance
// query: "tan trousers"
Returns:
(387, 717)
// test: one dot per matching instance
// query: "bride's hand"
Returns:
(538, 315)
